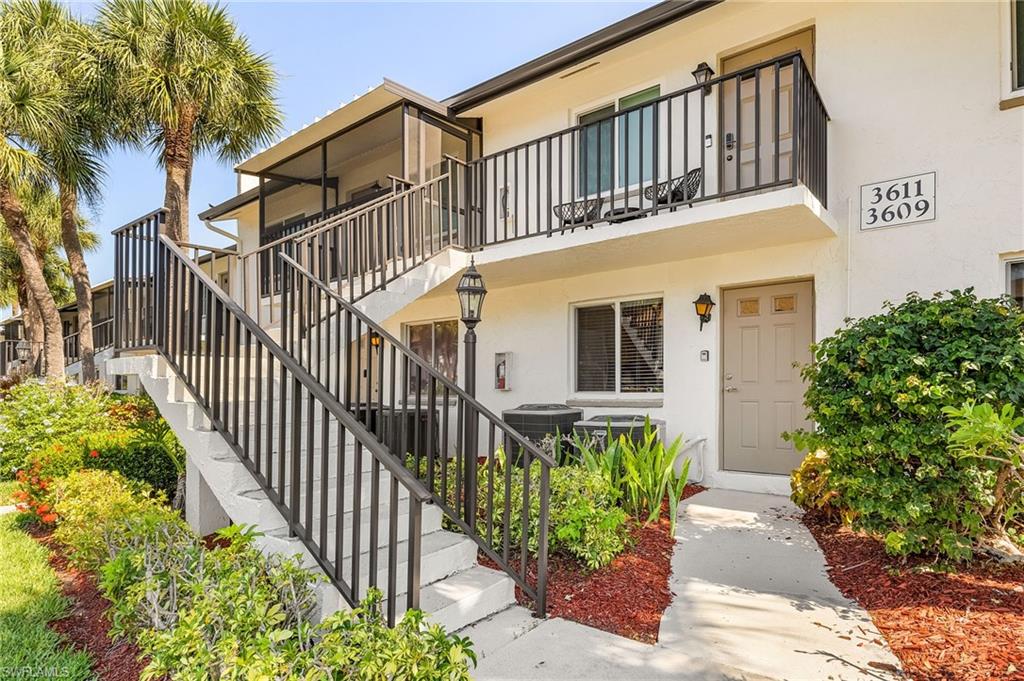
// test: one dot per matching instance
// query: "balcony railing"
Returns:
(102, 338)
(761, 128)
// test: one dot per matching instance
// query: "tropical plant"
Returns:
(876, 393)
(643, 474)
(981, 433)
(210, 93)
(33, 113)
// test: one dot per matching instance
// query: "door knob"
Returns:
(731, 389)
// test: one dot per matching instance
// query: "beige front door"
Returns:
(754, 152)
(766, 329)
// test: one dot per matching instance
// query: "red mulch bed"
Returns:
(626, 597)
(86, 626)
(967, 625)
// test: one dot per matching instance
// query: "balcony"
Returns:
(740, 136)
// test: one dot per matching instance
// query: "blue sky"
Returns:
(326, 53)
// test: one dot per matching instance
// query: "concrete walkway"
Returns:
(751, 601)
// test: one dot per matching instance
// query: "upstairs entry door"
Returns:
(750, 154)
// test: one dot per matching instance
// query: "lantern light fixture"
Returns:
(23, 349)
(703, 306)
(702, 74)
(471, 292)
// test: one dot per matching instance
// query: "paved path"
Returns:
(751, 601)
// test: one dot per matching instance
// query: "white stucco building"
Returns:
(908, 100)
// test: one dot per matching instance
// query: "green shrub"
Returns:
(810, 488)
(876, 392)
(358, 644)
(585, 521)
(233, 613)
(34, 414)
(88, 503)
(122, 451)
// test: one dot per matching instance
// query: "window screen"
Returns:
(635, 364)
(641, 333)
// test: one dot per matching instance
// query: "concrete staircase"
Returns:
(456, 591)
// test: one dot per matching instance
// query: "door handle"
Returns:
(731, 389)
(730, 140)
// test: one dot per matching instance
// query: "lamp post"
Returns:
(471, 292)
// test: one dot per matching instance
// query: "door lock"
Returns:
(730, 140)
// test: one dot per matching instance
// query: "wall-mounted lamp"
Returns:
(703, 305)
(702, 74)
(375, 339)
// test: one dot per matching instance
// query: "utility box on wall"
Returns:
(502, 370)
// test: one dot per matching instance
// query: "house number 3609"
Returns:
(897, 202)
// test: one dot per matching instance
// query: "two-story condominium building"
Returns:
(793, 163)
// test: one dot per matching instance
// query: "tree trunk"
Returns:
(32, 324)
(32, 271)
(80, 276)
(178, 166)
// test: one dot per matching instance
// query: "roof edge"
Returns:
(602, 40)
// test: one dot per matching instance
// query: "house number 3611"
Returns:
(897, 202)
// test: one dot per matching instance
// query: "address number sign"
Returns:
(897, 202)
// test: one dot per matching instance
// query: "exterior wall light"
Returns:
(703, 305)
(375, 339)
(702, 74)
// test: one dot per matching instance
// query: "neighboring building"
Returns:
(602, 318)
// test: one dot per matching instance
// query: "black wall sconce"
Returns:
(702, 74)
(703, 305)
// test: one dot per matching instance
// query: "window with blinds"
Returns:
(595, 348)
(620, 347)
(641, 350)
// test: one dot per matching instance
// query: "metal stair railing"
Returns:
(364, 250)
(291, 443)
(449, 439)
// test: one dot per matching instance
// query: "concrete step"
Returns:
(500, 629)
(466, 597)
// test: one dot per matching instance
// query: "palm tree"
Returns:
(74, 159)
(43, 216)
(33, 106)
(188, 84)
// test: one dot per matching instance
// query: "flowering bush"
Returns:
(35, 414)
(33, 495)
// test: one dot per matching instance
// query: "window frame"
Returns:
(1016, 46)
(1008, 272)
(407, 338)
(574, 349)
(611, 100)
